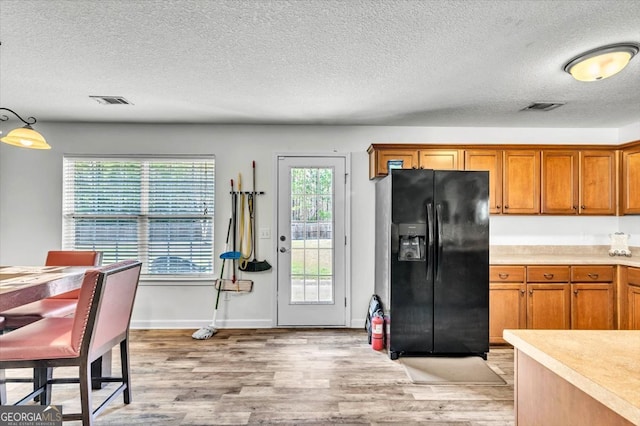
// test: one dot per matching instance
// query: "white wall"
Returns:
(31, 185)
(629, 133)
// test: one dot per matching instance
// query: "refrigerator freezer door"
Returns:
(411, 289)
(461, 289)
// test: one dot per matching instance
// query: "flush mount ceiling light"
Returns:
(600, 63)
(24, 137)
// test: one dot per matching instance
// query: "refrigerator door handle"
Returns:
(430, 237)
(439, 237)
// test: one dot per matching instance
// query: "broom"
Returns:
(254, 265)
(208, 331)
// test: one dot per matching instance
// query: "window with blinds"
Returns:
(155, 209)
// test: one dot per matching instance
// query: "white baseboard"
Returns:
(196, 324)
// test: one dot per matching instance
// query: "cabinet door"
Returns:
(521, 182)
(490, 160)
(440, 159)
(633, 294)
(559, 182)
(597, 182)
(507, 309)
(592, 306)
(548, 306)
(405, 159)
(631, 181)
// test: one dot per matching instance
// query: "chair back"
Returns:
(72, 258)
(104, 308)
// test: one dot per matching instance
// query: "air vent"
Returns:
(111, 100)
(543, 106)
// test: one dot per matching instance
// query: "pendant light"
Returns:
(600, 63)
(26, 136)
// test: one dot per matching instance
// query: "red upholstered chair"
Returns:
(56, 306)
(101, 322)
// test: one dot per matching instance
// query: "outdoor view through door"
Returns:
(311, 241)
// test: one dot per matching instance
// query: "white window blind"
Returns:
(155, 209)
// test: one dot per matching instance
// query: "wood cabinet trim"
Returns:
(507, 274)
(593, 273)
(550, 274)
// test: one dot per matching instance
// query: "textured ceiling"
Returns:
(368, 62)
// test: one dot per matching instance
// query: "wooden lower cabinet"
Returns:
(507, 300)
(633, 298)
(592, 297)
(508, 309)
(592, 306)
(555, 297)
(548, 306)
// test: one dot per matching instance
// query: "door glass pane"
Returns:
(312, 235)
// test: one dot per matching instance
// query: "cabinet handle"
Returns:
(548, 276)
(506, 207)
(522, 292)
(575, 292)
(575, 207)
(593, 276)
(530, 291)
(583, 207)
(498, 206)
(503, 276)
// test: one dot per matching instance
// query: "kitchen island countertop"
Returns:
(603, 364)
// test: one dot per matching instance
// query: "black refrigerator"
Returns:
(432, 261)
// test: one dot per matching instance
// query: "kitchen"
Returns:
(30, 222)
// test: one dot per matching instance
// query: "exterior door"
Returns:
(311, 241)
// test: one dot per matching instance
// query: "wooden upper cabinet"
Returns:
(379, 160)
(491, 161)
(631, 181)
(559, 182)
(521, 182)
(598, 182)
(440, 159)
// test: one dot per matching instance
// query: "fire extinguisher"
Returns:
(377, 332)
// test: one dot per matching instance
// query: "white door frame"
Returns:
(347, 229)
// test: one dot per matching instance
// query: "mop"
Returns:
(208, 331)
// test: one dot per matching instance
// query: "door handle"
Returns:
(430, 235)
(283, 250)
(438, 226)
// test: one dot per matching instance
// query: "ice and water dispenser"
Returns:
(412, 240)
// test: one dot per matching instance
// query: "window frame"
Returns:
(144, 217)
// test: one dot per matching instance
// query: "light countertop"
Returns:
(560, 255)
(603, 364)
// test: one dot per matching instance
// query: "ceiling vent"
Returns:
(543, 106)
(111, 100)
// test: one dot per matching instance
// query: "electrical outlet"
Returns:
(265, 233)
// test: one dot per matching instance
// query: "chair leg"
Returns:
(41, 379)
(124, 362)
(85, 393)
(3, 387)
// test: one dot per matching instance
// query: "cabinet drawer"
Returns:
(511, 274)
(547, 274)
(633, 276)
(602, 274)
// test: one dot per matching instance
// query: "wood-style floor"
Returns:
(286, 376)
